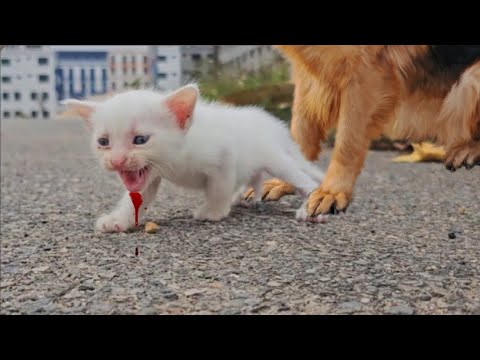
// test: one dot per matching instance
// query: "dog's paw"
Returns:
(326, 202)
(275, 189)
(247, 202)
(467, 155)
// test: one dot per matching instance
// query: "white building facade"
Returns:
(166, 67)
(129, 67)
(27, 82)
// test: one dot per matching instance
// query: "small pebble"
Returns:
(151, 227)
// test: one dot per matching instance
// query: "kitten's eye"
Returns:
(103, 142)
(140, 140)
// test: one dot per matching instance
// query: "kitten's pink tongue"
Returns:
(134, 181)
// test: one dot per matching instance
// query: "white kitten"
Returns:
(145, 136)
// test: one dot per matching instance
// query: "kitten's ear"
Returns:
(182, 103)
(84, 109)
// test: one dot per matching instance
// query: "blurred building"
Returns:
(34, 79)
(27, 82)
(249, 58)
(166, 66)
(197, 61)
(129, 67)
(81, 71)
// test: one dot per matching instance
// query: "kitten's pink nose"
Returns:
(118, 161)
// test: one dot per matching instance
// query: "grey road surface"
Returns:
(390, 254)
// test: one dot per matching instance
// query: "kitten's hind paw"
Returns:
(302, 215)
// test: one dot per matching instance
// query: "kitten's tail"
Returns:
(306, 166)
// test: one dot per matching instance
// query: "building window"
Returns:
(161, 58)
(5, 61)
(46, 114)
(18, 113)
(17, 96)
(112, 70)
(145, 60)
(252, 53)
(134, 70)
(174, 74)
(44, 96)
(124, 60)
(125, 84)
(161, 76)
(34, 114)
(114, 86)
(5, 96)
(210, 56)
(133, 60)
(19, 77)
(6, 79)
(6, 114)
(33, 96)
(42, 61)
(196, 57)
(43, 78)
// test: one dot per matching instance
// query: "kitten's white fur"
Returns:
(220, 150)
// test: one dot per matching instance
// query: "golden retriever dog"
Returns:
(416, 92)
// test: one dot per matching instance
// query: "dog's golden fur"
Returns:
(364, 91)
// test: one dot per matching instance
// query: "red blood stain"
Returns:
(136, 251)
(137, 202)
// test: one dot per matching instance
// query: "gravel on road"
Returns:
(393, 252)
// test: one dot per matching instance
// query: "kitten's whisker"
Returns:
(159, 169)
(163, 167)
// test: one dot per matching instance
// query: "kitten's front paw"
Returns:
(204, 213)
(113, 223)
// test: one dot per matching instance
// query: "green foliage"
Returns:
(135, 84)
(267, 88)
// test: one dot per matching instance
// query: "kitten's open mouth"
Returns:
(134, 181)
